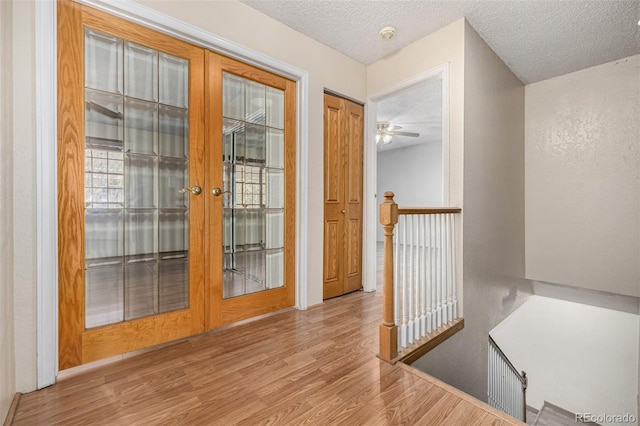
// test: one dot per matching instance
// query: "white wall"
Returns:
(327, 68)
(581, 358)
(583, 178)
(444, 46)
(24, 190)
(493, 213)
(7, 359)
(413, 174)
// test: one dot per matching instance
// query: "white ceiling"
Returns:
(537, 39)
(416, 109)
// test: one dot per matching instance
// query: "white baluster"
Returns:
(438, 272)
(454, 277)
(445, 270)
(430, 287)
(423, 275)
(410, 279)
(510, 393)
(512, 399)
(416, 277)
(500, 396)
(449, 274)
(495, 375)
(495, 380)
(404, 282)
(490, 377)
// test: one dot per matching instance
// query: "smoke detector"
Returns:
(387, 33)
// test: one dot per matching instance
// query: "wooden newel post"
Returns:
(388, 328)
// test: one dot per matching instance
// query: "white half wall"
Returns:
(579, 357)
(413, 174)
(583, 178)
(7, 347)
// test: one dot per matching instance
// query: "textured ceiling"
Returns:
(416, 109)
(537, 39)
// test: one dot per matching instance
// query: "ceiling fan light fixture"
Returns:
(386, 139)
(387, 33)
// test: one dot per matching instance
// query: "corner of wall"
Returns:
(23, 198)
(493, 214)
(7, 340)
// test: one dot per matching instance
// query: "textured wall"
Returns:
(24, 190)
(583, 178)
(7, 360)
(493, 213)
(327, 69)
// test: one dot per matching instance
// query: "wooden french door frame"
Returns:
(224, 311)
(46, 144)
(78, 345)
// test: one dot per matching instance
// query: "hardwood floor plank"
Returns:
(314, 367)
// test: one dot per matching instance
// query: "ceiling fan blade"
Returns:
(410, 134)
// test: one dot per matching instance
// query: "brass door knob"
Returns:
(218, 191)
(195, 190)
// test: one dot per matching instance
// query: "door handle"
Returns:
(195, 190)
(218, 192)
(343, 211)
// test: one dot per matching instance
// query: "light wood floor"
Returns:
(297, 367)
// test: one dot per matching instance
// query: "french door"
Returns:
(175, 189)
(252, 181)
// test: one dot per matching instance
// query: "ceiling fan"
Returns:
(387, 130)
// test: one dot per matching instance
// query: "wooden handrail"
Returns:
(428, 210)
(388, 328)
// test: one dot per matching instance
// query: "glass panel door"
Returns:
(252, 177)
(131, 162)
(142, 219)
(253, 184)
(136, 166)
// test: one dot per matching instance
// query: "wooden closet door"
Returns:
(353, 202)
(343, 143)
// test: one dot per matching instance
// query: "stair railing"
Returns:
(419, 274)
(507, 388)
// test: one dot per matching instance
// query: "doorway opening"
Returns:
(407, 152)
